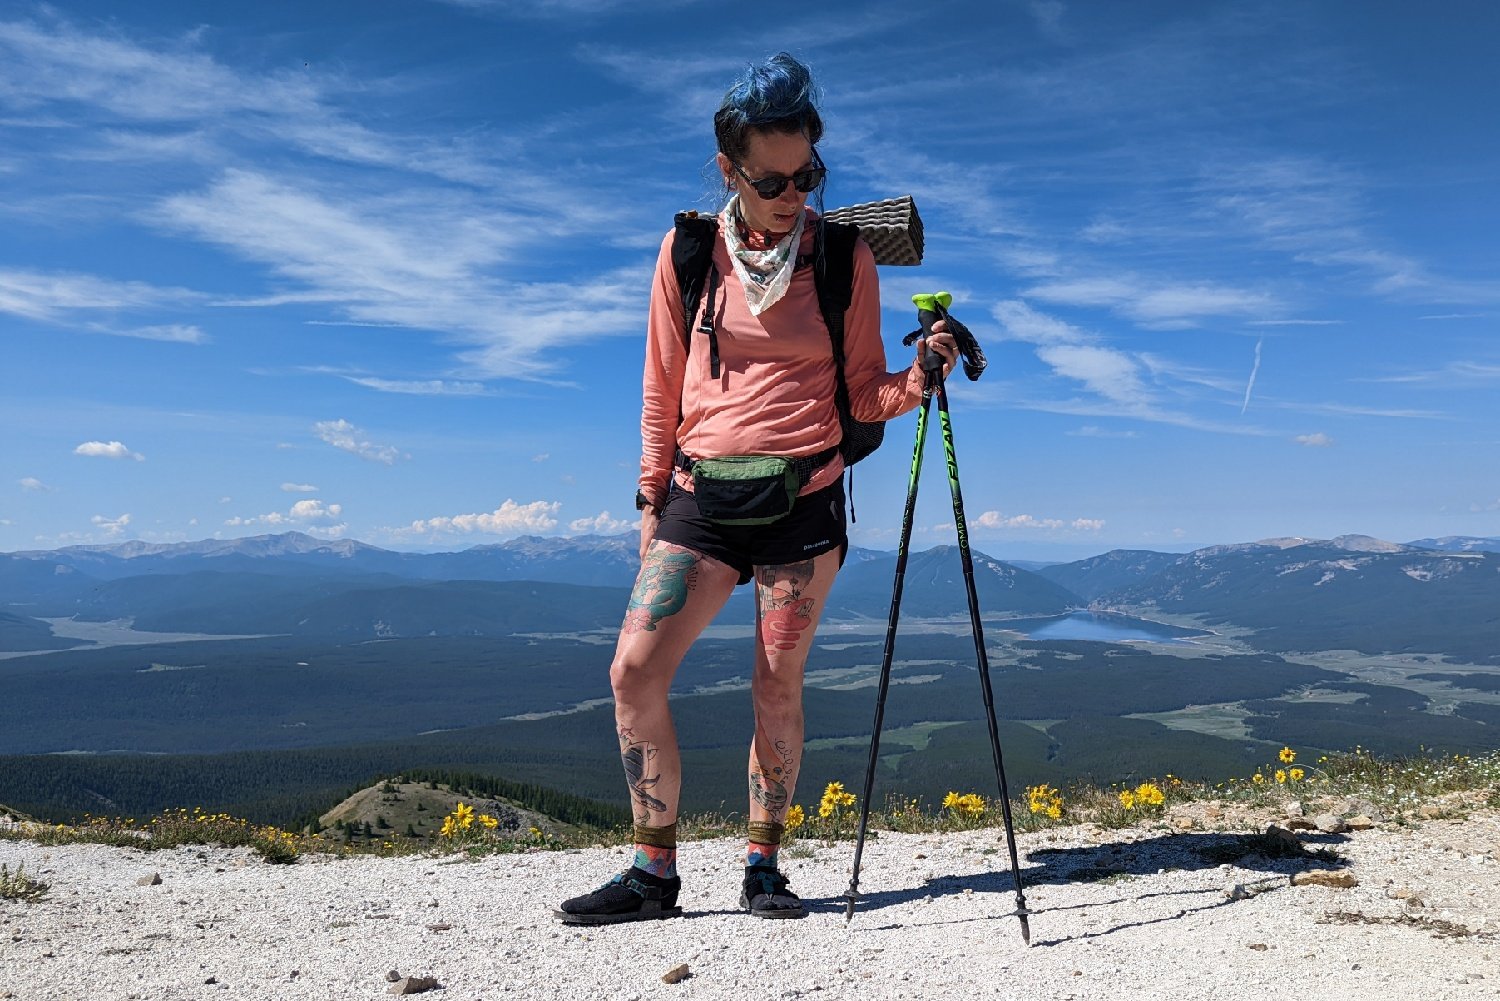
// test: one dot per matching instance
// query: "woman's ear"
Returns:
(726, 168)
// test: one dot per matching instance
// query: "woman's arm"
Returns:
(662, 378)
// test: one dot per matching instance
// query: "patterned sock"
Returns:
(656, 850)
(657, 861)
(759, 854)
(765, 843)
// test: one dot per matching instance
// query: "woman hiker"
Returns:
(765, 389)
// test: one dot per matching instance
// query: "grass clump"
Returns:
(19, 886)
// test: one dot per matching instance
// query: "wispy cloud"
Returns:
(34, 485)
(1457, 373)
(1254, 371)
(343, 435)
(107, 450)
(1315, 440)
(420, 387)
(1094, 431)
(299, 488)
(64, 297)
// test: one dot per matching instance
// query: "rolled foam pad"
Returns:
(891, 227)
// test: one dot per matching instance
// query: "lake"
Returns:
(1103, 627)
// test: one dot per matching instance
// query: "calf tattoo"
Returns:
(662, 588)
(768, 791)
(784, 613)
(637, 755)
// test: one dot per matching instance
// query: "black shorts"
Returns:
(815, 525)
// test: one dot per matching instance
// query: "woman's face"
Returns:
(770, 154)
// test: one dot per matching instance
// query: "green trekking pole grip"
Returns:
(931, 307)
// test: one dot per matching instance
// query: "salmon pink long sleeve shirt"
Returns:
(775, 391)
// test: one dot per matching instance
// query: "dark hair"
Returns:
(777, 95)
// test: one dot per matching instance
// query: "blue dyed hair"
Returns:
(777, 95)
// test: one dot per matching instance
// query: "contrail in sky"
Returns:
(1254, 371)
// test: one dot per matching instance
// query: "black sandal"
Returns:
(633, 895)
(766, 894)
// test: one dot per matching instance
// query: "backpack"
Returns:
(833, 274)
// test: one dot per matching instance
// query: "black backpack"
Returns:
(833, 274)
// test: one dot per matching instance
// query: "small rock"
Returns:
(1294, 808)
(676, 974)
(1429, 811)
(1238, 892)
(1259, 946)
(210, 980)
(1360, 823)
(152, 880)
(1330, 823)
(1184, 823)
(440, 927)
(413, 985)
(1276, 832)
(392, 976)
(919, 855)
(1325, 877)
(1299, 824)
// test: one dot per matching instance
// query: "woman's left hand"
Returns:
(943, 343)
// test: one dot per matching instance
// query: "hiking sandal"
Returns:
(633, 895)
(766, 894)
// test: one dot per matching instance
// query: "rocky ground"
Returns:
(1405, 910)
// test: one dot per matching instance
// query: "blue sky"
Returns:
(377, 270)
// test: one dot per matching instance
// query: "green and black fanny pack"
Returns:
(749, 489)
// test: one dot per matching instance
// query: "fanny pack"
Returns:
(749, 489)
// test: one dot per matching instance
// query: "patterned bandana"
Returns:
(765, 274)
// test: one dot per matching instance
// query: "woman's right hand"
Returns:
(650, 516)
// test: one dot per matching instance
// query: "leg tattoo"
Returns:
(769, 791)
(662, 588)
(637, 756)
(785, 613)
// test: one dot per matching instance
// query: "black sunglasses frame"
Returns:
(803, 180)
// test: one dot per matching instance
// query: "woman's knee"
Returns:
(632, 678)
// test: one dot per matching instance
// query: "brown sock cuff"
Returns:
(766, 832)
(657, 837)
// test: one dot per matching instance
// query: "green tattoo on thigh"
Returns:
(661, 589)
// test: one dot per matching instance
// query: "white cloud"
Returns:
(110, 526)
(1110, 373)
(58, 297)
(1317, 440)
(420, 387)
(1022, 323)
(107, 450)
(33, 484)
(602, 524)
(1254, 371)
(177, 333)
(308, 515)
(343, 435)
(1152, 304)
(299, 488)
(1094, 431)
(541, 457)
(509, 518)
(995, 519)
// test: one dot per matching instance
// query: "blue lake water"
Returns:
(1101, 627)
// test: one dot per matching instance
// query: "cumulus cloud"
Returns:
(994, 519)
(509, 518)
(310, 515)
(1317, 440)
(1112, 374)
(33, 484)
(299, 488)
(107, 450)
(111, 527)
(602, 524)
(343, 435)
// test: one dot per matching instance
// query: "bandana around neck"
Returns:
(765, 274)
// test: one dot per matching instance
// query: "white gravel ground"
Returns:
(1422, 923)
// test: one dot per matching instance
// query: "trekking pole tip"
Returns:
(1025, 930)
(849, 909)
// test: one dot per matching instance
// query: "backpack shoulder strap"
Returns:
(833, 273)
(692, 252)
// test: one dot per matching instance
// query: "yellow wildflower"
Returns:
(1281, 776)
(1045, 800)
(1287, 755)
(1149, 794)
(834, 797)
(1296, 774)
(1127, 799)
(464, 814)
(488, 821)
(1257, 778)
(794, 818)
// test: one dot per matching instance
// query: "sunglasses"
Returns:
(803, 180)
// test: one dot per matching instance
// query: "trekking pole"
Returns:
(931, 308)
(929, 358)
